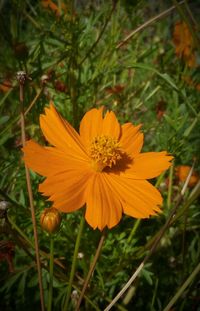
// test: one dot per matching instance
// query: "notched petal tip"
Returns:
(60, 133)
(111, 126)
(103, 209)
(149, 165)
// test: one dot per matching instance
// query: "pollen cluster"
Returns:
(104, 151)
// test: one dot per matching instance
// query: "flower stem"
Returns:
(21, 233)
(148, 23)
(73, 68)
(92, 267)
(136, 225)
(100, 34)
(169, 195)
(60, 6)
(182, 288)
(49, 307)
(21, 77)
(159, 180)
(78, 239)
(191, 15)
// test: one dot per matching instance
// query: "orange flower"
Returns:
(116, 89)
(160, 109)
(184, 43)
(182, 172)
(5, 86)
(191, 83)
(49, 4)
(101, 167)
(60, 86)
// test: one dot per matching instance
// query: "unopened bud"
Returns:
(80, 255)
(44, 79)
(4, 205)
(75, 297)
(50, 220)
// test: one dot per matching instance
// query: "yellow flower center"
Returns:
(104, 151)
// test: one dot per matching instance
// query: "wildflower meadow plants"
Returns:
(99, 188)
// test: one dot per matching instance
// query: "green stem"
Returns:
(21, 233)
(154, 294)
(159, 180)
(193, 196)
(73, 68)
(60, 6)
(184, 239)
(136, 225)
(169, 195)
(182, 288)
(49, 307)
(92, 267)
(100, 34)
(22, 77)
(32, 20)
(191, 15)
(78, 239)
(148, 23)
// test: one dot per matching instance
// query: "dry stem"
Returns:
(92, 267)
(22, 78)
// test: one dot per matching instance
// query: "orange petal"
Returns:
(131, 139)
(149, 165)
(60, 133)
(111, 126)
(139, 198)
(103, 208)
(91, 125)
(67, 189)
(47, 160)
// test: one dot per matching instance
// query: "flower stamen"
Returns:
(104, 152)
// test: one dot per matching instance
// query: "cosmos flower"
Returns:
(100, 167)
(5, 86)
(49, 4)
(184, 44)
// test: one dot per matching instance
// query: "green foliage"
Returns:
(74, 58)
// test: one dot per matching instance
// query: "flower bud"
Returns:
(50, 220)
(4, 205)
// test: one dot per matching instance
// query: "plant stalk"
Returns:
(49, 307)
(72, 272)
(92, 267)
(134, 229)
(169, 194)
(21, 77)
(182, 288)
(148, 23)
(100, 35)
